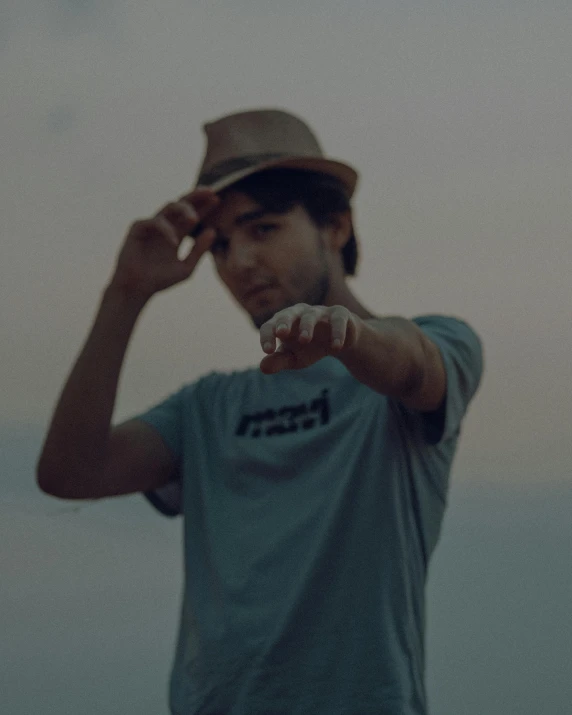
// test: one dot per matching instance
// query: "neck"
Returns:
(340, 294)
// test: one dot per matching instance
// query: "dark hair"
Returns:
(280, 190)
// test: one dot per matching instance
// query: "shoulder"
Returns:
(452, 332)
(461, 348)
(444, 322)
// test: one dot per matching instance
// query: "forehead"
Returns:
(233, 205)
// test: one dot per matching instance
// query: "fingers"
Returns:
(203, 242)
(181, 218)
(307, 325)
(186, 213)
(202, 199)
(299, 323)
(339, 317)
(158, 225)
(280, 326)
(280, 360)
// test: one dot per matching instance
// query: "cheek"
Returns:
(302, 276)
(296, 253)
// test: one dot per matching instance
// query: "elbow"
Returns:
(56, 481)
(52, 481)
(46, 482)
(42, 478)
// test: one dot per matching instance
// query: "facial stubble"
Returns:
(313, 294)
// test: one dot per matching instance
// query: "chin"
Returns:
(266, 313)
(265, 310)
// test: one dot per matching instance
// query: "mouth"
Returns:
(256, 291)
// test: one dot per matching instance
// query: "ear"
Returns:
(340, 230)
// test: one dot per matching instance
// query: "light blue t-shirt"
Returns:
(311, 505)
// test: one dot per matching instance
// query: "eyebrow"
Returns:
(249, 216)
(238, 221)
(246, 217)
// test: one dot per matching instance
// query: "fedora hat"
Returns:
(245, 143)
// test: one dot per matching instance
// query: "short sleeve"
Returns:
(462, 353)
(167, 418)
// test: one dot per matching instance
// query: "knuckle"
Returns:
(188, 207)
(172, 206)
(178, 212)
(144, 227)
(162, 227)
(340, 312)
(161, 223)
(139, 225)
(172, 212)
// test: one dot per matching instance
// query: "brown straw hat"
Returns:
(242, 144)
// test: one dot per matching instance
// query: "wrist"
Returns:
(354, 338)
(124, 296)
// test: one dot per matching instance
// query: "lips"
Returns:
(255, 290)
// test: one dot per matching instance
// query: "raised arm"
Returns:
(83, 457)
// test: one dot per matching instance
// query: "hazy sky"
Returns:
(457, 116)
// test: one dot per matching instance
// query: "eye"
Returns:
(263, 229)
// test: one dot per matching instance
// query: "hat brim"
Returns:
(343, 172)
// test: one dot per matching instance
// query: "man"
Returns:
(312, 487)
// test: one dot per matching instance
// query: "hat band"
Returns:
(230, 166)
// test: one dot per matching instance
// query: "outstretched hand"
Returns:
(307, 333)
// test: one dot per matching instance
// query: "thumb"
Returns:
(278, 361)
(203, 242)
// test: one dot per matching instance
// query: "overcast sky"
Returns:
(457, 116)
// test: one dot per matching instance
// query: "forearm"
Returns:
(78, 436)
(388, 356)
